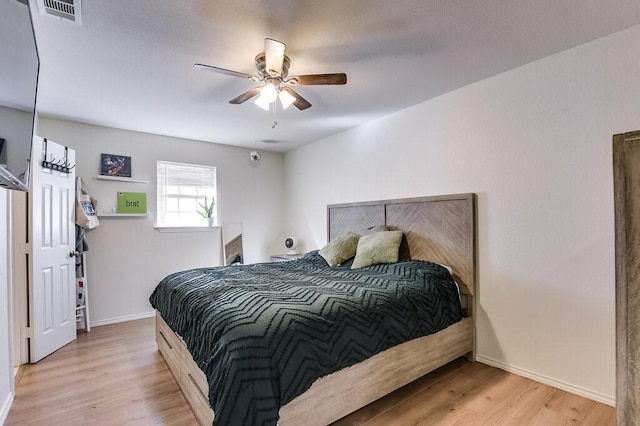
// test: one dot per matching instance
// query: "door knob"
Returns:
(73, 254)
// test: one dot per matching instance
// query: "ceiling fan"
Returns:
(273, 70)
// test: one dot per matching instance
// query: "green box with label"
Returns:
(132, 202)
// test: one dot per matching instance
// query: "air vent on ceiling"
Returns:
(66, 9)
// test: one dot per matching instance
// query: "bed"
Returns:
(437, 229)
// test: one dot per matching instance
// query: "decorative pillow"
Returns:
(381, 247)
(447, 267)
(340, 249)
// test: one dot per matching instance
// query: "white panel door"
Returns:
(52, 285)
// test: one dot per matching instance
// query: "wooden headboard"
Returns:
(234, 247)
(439, 229)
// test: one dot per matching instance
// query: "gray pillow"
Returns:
(340, 249)
(381, 247)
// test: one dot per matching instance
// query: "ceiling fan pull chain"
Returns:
(275, 117)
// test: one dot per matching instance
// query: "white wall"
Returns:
(535, 144)
(6, 369)
(15, 127)
(127, 257)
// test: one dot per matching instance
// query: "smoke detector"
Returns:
(255, 156)
(69, 10)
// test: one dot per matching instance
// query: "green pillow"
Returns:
(381, 247)
(340, 249)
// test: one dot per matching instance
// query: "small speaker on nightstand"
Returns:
(291, 243)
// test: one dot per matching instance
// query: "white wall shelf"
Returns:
(122, 179)
(170, 229)
(108, 214)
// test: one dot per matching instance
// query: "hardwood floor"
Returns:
(115, 376)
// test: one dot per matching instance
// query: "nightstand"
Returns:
(284, 257)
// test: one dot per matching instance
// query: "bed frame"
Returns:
(441, 229)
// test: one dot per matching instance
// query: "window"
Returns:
(181, 190)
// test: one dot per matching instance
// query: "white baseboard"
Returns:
(595, 396)
(4, 411)
(123, 319)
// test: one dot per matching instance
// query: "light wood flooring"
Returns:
(115, 376)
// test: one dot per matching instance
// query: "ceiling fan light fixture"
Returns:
(269, 93)
(286, 99)
(262, 103)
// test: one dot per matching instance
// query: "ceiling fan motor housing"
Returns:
(261, 65)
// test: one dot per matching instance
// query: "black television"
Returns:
(19, 69)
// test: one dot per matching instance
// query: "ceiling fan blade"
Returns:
(245, 96)
(316, 79)
(274, 56)
(202, 67)
(300, 102)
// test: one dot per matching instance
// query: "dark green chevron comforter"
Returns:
(264, 333)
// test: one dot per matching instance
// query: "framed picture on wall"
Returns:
(115, 165)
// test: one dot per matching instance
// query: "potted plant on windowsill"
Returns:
(207, 210)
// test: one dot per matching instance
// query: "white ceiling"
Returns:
(129, 65)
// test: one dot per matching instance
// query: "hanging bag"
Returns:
(85, 207)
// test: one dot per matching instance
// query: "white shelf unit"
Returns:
(122, 179)
(106, 214)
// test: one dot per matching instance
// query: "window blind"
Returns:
(181, 188)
